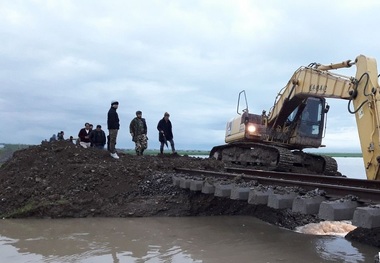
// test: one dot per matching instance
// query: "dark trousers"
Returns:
(101, 147)
(171, 144)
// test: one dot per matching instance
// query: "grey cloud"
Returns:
(63, 62)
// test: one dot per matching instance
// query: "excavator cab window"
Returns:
(292, 116)
(311, 118)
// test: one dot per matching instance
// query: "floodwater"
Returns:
(352, 167)
(187, 239)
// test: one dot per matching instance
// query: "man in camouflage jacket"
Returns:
(138, 130)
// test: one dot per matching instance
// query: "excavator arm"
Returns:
(361, 91)
(366, 102)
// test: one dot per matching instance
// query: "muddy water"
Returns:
(193, 239)
(190, 239)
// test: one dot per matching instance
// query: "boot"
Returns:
(173, 149)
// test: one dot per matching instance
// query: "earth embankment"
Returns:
(61, 180)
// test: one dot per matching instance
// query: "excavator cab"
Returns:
(308, 120)
(299, 126)
(311, 118)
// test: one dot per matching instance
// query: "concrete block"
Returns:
(337, 210)
(176, 180)
(223, 190)
(239, 193)
(281, 201)
(208, 188)
(367, 217)
(307, 205)
(196, 185)
(184, 183)
(259, 196)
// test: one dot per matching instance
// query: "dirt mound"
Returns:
(61, 179)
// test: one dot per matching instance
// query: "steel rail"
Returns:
(333, 191)
(337, 180)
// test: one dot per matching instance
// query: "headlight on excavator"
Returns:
(251, 128)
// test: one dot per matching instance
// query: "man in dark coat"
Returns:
(113, 127)
(98, 137)
(60, 136)
(165, 135)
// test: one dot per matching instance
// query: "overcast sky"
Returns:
(63, 62)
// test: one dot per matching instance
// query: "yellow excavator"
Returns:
(297, 121)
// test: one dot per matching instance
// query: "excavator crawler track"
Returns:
(275, 158)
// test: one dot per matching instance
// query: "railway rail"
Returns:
(366, 191)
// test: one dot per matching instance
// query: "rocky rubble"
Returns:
(61, 180)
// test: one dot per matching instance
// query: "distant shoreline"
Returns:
(200, 152)
(342, 154)
(8, 149)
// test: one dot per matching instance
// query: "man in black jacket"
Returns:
(113, 127)
(164, 127)
(98, 137)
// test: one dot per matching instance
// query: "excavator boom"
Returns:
(362, 91)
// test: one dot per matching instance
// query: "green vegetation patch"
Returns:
(342, 154)
(32, 206)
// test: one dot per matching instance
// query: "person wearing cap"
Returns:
(113, 128)
(138, 130)
(165, 134)
(98, 137)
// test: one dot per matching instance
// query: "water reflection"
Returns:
(334, 248)
(90, 240)
(190, 239)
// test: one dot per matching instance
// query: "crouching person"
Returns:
(98, 137)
